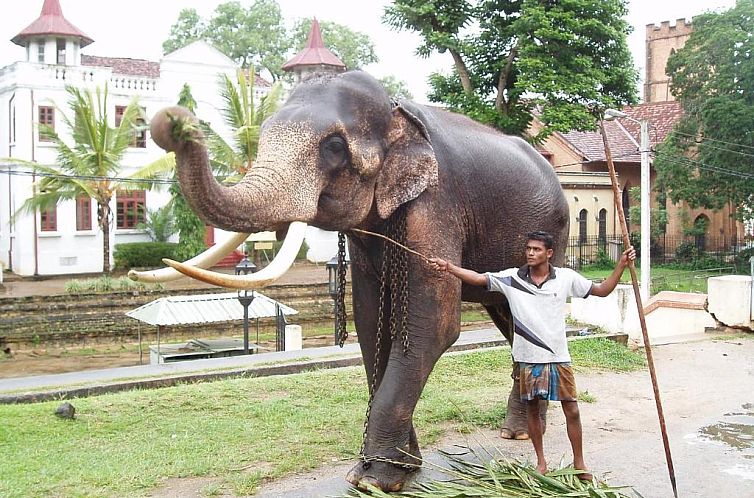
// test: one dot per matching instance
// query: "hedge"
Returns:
(143, 254)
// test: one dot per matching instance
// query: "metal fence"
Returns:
(700, 251)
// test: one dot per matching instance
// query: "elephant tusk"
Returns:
(204, 260)
(283, 260)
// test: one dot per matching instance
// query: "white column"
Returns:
(645, 195)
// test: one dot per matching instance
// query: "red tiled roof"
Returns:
(624, 134)
(662, 116)
(258, 80)
(315, 52)
(51, 22)
(589, 143)
(122, 65)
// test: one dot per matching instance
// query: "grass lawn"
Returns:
(244, 429)
(664, 278)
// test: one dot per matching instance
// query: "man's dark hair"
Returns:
(541, 236)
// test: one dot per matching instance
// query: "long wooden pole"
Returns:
(639, 305)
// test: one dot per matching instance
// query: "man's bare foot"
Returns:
(585, 475)
(542, 468)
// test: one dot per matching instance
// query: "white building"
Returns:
(67, 240)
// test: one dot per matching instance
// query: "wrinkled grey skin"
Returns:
(338, 155)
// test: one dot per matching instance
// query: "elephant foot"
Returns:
(385, 476)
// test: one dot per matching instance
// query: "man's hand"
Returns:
(628, 255)
(438, 264)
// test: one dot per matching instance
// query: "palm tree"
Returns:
(244, 117)
(91, 165)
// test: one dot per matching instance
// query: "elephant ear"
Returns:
(410, 166)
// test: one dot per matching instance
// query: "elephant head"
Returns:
(337, 155)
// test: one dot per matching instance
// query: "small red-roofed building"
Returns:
(314, 58)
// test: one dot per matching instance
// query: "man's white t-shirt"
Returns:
(539, 311)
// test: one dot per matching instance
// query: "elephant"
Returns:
(341, 155)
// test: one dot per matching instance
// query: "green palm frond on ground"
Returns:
(486, 474)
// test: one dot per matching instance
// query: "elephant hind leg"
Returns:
(514, 426)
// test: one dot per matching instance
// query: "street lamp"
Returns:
(611, 114)
(333, 287)
(244, 267)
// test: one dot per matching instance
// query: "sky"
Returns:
(137, 28)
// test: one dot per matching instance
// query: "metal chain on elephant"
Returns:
(393, 275)
(340, 298)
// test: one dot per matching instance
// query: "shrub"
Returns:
(143, 254)
(603, 261)
(742, 259)
(686, 251)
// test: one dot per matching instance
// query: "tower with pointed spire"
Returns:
(51, 38)
(315, 57)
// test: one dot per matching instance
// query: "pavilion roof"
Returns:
(51, 22)
(315, 52)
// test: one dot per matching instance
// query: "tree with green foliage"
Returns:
(353, 48)
(396, 88)
(243, 114)
(253, 36)
(564, 61)
(91, 165)
(708, 158)
(190, 227)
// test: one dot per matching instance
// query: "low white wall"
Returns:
(730, 300)
(618, 314)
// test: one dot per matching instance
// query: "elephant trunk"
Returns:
(259, 202)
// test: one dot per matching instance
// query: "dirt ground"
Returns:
(707, 391)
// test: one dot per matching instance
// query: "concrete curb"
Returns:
(346, 357)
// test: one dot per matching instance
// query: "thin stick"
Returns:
(639, 305)
(366, 232)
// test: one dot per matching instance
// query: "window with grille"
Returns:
(140, 132)
(46, 117)
(83, 213)
(582, 226)
(48, 219)
(602, 225)
(41, 51)
(131, 208)
(61, 51)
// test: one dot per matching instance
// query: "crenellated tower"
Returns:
(661, 42)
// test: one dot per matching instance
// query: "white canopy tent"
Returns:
(204, 308)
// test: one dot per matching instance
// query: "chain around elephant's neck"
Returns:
(393, 301)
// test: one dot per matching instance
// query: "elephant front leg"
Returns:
(391, 448)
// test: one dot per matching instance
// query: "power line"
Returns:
(684, 161)
(61, 176)
(699, 140)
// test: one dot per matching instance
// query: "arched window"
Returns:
(700, 232)
(602, 227)
(626, 205)
(582, 226)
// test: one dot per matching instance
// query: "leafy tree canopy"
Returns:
(257, 37)
(396, 88)
(353, 48)
(253, 36)
(566, 60)
(708, 159)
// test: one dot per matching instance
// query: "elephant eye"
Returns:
(334, 151)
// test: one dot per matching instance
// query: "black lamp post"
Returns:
(333, 287)
(244, 267)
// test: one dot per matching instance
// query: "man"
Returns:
(537, 294)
